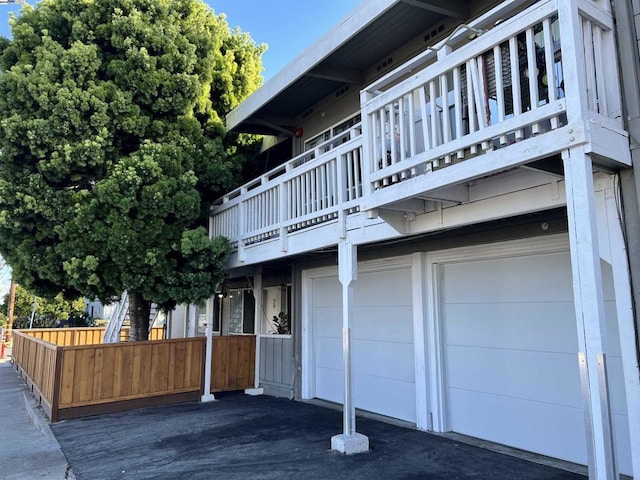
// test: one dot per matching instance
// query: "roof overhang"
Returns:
(367, 35)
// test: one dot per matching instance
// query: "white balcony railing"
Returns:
(314, 188)
(506, 86)
(545, 69)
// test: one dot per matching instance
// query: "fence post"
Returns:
(57, 379)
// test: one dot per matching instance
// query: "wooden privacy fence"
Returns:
(75, 381)
(38, 361)
(233, 362)
(83, 335)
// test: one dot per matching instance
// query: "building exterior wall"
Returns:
(506, 203)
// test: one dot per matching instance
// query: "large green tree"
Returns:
(112, 146)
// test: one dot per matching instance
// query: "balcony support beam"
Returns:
(589, 311)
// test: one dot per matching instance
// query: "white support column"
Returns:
(349, 441)
(257, 295)
(419, 320)
(589, 309)
(208, 396)
(626, 329)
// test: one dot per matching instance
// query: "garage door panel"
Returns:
(493, 418)
(384, 359)
(615, 377)
(329, 384)
(538, 376)
(328, 352)
(393, 324)
(521, 326)
(383, 288)
(327, 292)
(328, 321)
(400, 397)
(500, 280)
(621, 437)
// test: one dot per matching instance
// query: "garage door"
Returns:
(510, 353)
(382, 342)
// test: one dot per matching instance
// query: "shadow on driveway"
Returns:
(243, 437)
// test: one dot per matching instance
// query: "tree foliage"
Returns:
(112, 145)
(48, 310)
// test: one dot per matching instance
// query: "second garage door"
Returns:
(510, 348)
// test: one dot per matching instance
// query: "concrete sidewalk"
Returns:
(28, 449)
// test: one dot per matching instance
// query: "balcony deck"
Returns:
(467, 110)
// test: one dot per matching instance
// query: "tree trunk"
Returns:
(139, 311)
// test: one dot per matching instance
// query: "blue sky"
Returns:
(287, 26)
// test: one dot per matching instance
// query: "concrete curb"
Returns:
(37, 418)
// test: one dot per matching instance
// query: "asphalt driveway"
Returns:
(243, 437)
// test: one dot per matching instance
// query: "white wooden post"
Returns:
(258, 313)
(419, 338)
(589, 309)
(368, 133)
(208, 396)
(349, 441)
(242, 227)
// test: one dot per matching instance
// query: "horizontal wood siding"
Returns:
(96, 374)
(76, 336)
(233, 362)
(276, 365)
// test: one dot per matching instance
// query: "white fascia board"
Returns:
(350, 25)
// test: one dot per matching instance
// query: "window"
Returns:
(202, 315)
(276, 308)
(241, 311)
